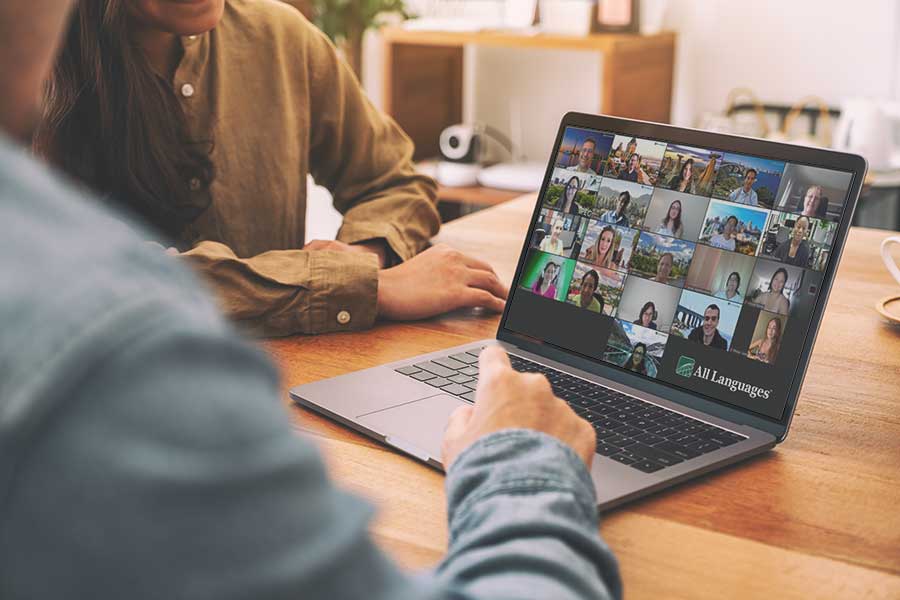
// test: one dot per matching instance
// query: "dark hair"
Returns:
(633, 155)
(591, 140)
(730, 217)
(677, 220)
(714, 307)
(594, 274)
(755, 172)
(627, 195)
(630, 364)
(777, 271)
(734, 274)
(776, 346)
(640, 319)
(540, 279)
(114, 124)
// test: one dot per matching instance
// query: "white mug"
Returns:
(888, 259)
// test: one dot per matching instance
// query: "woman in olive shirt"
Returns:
(205, 119)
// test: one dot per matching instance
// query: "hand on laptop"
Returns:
(438, 280)
(507, 399)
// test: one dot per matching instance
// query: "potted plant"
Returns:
(345, 22)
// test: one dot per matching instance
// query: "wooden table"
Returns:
(819, 517)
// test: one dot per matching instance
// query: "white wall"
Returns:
(783, 49)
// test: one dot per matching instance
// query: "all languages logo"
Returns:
(687, 367)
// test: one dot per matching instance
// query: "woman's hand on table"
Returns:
(438, 280)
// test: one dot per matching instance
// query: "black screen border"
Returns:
(788, 153)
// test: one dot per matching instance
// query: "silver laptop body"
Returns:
(396, 405)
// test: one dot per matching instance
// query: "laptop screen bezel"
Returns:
(802, 155)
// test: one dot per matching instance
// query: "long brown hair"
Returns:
(114, 124)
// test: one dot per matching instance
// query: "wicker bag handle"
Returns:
(824, 116)
(743, 92)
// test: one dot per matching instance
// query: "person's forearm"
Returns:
(290, 291)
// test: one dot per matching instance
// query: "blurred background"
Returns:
(820, 72)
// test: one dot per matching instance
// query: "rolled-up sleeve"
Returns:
(287, 292)
(365, 159)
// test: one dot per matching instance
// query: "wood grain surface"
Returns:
(818, 517)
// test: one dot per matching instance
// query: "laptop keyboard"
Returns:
(640, 434)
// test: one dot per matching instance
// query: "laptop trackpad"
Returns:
(417, 427)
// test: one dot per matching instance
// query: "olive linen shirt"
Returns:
(271, 94)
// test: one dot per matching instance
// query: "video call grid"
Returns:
(640, 229)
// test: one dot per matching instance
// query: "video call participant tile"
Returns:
(596, 290)
(607, 246)
(661, 259)
(760, 334)
(705, 320)
(572, 193)
(634, 159)
(733, 227)
(583, 151)
(547, 275)
(748, 180)
(622, 203)
(799, 240)
(675, 214)
(774, 285)
(649, 304)
(719, 273)
(635, 348)
(558, 233)
(689, 170)
(813, 192)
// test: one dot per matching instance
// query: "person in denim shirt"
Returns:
(144, 451)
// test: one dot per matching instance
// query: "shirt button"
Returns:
(194, 183)
(343, 317)
(187, 90)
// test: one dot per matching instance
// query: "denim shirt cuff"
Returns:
(518, 462)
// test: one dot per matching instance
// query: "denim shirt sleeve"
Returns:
(145, 452)
(523, 522)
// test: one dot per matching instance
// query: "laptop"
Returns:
(670, 286)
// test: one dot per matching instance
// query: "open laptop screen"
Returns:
(691, 266)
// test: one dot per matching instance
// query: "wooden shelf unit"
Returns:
(423, 75)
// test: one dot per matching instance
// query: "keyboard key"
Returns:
(605, 449)
(422, 375)
(450, 363)
(455, 389)
(470, 371)
(629, 431)
(703, 447)
(438, 382)
(655, 454)
(620, 440)
(407, 370)
(465, 357)
(649, 439)
(622, 459)
(470, 396)
(677, 450)
(460, 378)
(438, 370)
(647, 466)
(472, 385)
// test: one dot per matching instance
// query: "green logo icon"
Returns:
(685, 366)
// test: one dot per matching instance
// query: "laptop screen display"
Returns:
(691, 266)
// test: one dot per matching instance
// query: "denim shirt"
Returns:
(144, 452)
